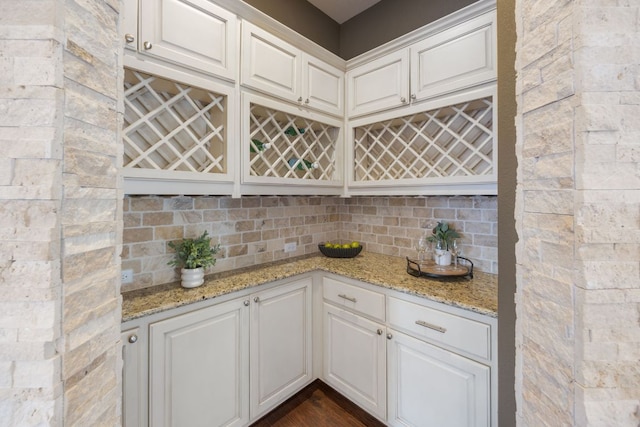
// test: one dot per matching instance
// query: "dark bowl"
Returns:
(340, 252)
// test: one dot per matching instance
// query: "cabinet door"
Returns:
(355, 359)
(269, 64)
(380, 84)
(132, 383)
(281, 344)
(429, 386)
(454, 59)
(129, 24)
(194, 33)
(323, 86)
(199, 368)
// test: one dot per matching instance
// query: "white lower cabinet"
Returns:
(429, 386)
(198, 368)
(281, 344)
(406, 360)
(355, 359)
(133, 409)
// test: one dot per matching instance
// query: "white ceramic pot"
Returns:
(192, 277)
(442, 257)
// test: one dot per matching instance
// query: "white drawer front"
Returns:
(455, 331)
(355, 298)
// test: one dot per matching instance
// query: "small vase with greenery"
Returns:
(193, 256)
(443, 236)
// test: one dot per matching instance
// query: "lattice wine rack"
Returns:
(170, 126)
(453, 141)
(283, 145)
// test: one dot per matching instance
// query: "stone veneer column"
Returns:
(60, 210)
(578, 213)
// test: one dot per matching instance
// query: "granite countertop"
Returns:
(479, 294)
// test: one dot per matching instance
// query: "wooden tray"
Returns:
(429, 268)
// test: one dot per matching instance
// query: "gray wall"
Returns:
(305, 19)
(507, 235)
(377, 25)
(390, 19)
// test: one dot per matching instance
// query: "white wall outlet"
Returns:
(290, 247)
(127, 276)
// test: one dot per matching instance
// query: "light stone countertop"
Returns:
(479, 294)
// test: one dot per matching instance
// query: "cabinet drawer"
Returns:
(353, 297)
(423, 322)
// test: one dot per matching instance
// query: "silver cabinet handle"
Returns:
(343, 296)
(403, 100)
(147, 45)
(246, 303)
(129, 38)
(379, 331)
(389, 336)
(431, 326)
(133, 338)
(256, 299)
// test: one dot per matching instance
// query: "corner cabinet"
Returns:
(196, 34)
(279, 69)
(281, 344)
(286, 150)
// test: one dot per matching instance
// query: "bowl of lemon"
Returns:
(340, 250)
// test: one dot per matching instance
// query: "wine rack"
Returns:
(285, 145)
(449, 142)
(170, 126)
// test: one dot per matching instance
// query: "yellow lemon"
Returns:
(346, 246)
(355, 244)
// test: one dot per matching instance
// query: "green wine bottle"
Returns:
(302, 164)
(291, 131)
(259, 146)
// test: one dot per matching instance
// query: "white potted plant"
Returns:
(443, 236)
(193, 256)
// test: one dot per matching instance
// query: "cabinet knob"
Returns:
(133, 338)
(129, 38)
(306, 101)
(246, 303)
(256, 299)
(413, 96)
(380, 331)
(403, 100)
(147, 45)
(389, 336)
(300, 99)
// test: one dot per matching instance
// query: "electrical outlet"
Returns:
(290, 247)
(127, 276)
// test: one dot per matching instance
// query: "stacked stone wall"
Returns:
(578, 213)
(60, 212)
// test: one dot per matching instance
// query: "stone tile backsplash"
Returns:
(253, 230)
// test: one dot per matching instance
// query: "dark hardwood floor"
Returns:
(317, 405)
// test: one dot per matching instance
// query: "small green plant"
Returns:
(443, 232)
(194, 253)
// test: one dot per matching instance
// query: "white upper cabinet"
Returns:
(129, 24)
(454, 59)
(379, 84)
(277, 68)
(195, 34)
(457, 58)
